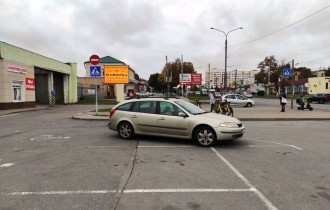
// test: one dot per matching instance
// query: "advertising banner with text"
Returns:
(191, 79)
(116, 74)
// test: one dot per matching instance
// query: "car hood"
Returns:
(214, 119)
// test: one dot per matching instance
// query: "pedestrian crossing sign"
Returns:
(95, 71)
(286, 72)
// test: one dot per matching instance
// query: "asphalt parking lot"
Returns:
(50, 161)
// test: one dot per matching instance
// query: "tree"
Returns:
(137, 77)
(268, 66)
(327, 72)
(304, 72)
(175, 71)
(153, 82)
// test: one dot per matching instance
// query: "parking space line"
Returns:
(185, 190)
(102, 146)
(268, 204)
(165, 146)
(5, 165)
(271, 142)
(64, 192)
(8, 115)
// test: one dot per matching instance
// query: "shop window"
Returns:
(17, 89)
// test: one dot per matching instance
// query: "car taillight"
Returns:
(221, 99)
(112, 112)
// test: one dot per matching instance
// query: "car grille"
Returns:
(240, 125)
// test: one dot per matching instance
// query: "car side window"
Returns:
(167, 108)
(125, 107)
(145, 107)
(231, 96)
(241, 97)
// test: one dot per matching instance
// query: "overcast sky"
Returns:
(142, 32)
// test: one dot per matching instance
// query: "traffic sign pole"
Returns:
(96, 94)
(292, 90)
(94, 60)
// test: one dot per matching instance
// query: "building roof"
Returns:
(108, 59)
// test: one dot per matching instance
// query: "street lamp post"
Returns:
(226, 34)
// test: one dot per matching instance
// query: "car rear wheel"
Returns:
(204, 136)
(125, 130)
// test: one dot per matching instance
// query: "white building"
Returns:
(216, 77)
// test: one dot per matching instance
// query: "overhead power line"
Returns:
(281, 28)
(315, 59)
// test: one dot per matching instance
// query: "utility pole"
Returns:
(168, 79)
(235, 79)
(182, 74)
(292, 90)
(270, 63)
(209, 78)
(225, 66)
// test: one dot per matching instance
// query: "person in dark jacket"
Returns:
(283, 100)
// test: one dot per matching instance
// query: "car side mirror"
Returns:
(182, 114)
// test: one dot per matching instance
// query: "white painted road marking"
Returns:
(48, 137)
(165, 146)
(131, 191)
(8, 115)
(185, 190)
(64, 192)
(288, 145)
(6, 165)
(268, 204)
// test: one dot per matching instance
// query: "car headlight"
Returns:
(229, 125)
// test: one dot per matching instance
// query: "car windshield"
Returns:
(189, 107)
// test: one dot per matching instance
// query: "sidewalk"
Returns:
(12, 111)
(245, 114)
(255, 113)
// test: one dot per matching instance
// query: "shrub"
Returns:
(261, 92)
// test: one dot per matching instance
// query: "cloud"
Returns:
(142, 33)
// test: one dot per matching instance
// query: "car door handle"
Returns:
(162, 118)
(134, 116)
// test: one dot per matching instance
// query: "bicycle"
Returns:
(224, 108)
(198, 103)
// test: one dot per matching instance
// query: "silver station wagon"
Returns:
(172, 117)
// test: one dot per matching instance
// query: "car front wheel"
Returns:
(125, 130)
(248, 105)
(205, 136)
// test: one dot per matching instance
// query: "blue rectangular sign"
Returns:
(286, 72)
(95, 71)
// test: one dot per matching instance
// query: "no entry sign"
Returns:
(94, 59)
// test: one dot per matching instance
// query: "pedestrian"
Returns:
(283, 100)
(212, 100)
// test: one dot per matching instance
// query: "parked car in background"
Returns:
(204, 92)
(247, 94)
(150, 93)
(217, 94)
(141, 94)
(320, 98)
(237, 99)
(171, 117)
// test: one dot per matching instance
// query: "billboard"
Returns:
(191, 79)
(30, 84)
(116, 74)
